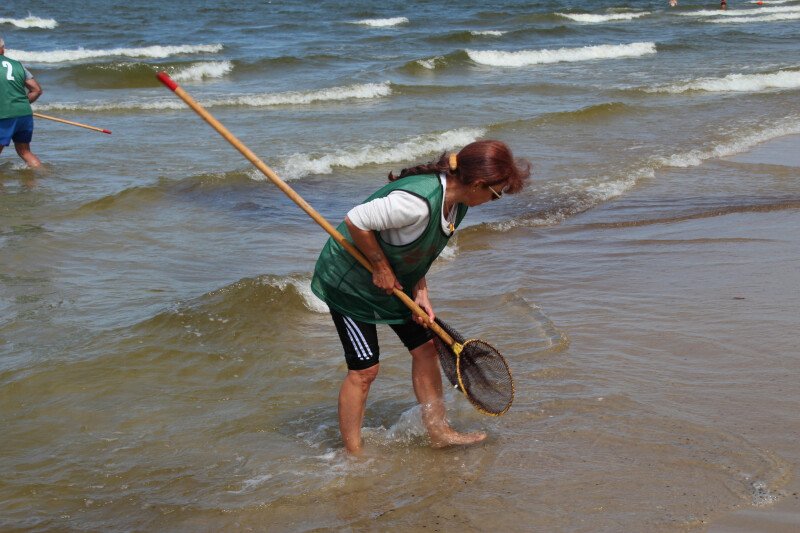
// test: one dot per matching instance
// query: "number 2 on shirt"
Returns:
(9, 72)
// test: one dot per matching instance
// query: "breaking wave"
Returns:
(363, 91)
(204, 70)
(238, 308)
(31, 22)
(743, 143)
(743, 16)
(301, 165)
(156, 51)
(382, 23)
(127, 74)
(777, 17)
(598, 19)
(766, 207)
(784, 79)
(559, 201)
(524, 58)
(490, 33)
(736, 13)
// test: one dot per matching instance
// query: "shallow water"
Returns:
(165, 367)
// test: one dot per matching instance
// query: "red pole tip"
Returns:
(107, 131)
(164, 78)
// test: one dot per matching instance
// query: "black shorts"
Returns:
(360, 339)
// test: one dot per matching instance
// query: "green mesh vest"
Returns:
(13, 93)
(347, 287)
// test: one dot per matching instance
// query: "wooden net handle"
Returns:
(296, 198)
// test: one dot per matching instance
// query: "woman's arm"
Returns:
(420, 294)
(382, 274)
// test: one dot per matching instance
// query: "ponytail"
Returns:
(490, 162)
(442, 165)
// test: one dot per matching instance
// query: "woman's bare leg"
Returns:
(427, 380)
(352, 404)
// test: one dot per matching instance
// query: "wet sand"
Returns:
(724, 348)
(769, 414)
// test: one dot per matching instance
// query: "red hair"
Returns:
(489, 162)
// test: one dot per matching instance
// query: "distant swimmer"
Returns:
(723, 4)
(673, 3)
(18, 90)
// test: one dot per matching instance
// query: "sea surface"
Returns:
(165, 367)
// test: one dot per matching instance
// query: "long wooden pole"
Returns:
(296, 198)
(55, 119)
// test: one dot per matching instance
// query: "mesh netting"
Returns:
(484, 374)
(485, 377)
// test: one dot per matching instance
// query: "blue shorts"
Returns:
(17, 129)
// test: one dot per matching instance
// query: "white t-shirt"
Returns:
(400, 217)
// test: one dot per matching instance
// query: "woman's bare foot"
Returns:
(451, 437)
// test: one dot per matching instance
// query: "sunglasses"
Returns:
(497, 195)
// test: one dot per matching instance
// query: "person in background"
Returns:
(673, 3)
(401, 229)
(723, 4)
(18, 90)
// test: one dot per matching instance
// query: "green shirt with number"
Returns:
(13, 92)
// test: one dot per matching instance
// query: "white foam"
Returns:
(204, 70)
(16, 164)
(587, 192)
(576, 196)
(408, 427)
(449, 252)
(490, 33)
(598, 19)
(95, 105)
(309, 298)
(431, 63)
(248, 485)
(300, 165)
(362, 91)
(156, 51)
(365, 91)
(31, 22)
(303, 288)
(537, 57)
(766, 18)
(382, 23)
(740, 12)
(602, 192)
(784, 79)
(789, 126)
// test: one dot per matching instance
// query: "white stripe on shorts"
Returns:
(357, 339)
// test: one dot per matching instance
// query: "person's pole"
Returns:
(48, 117)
